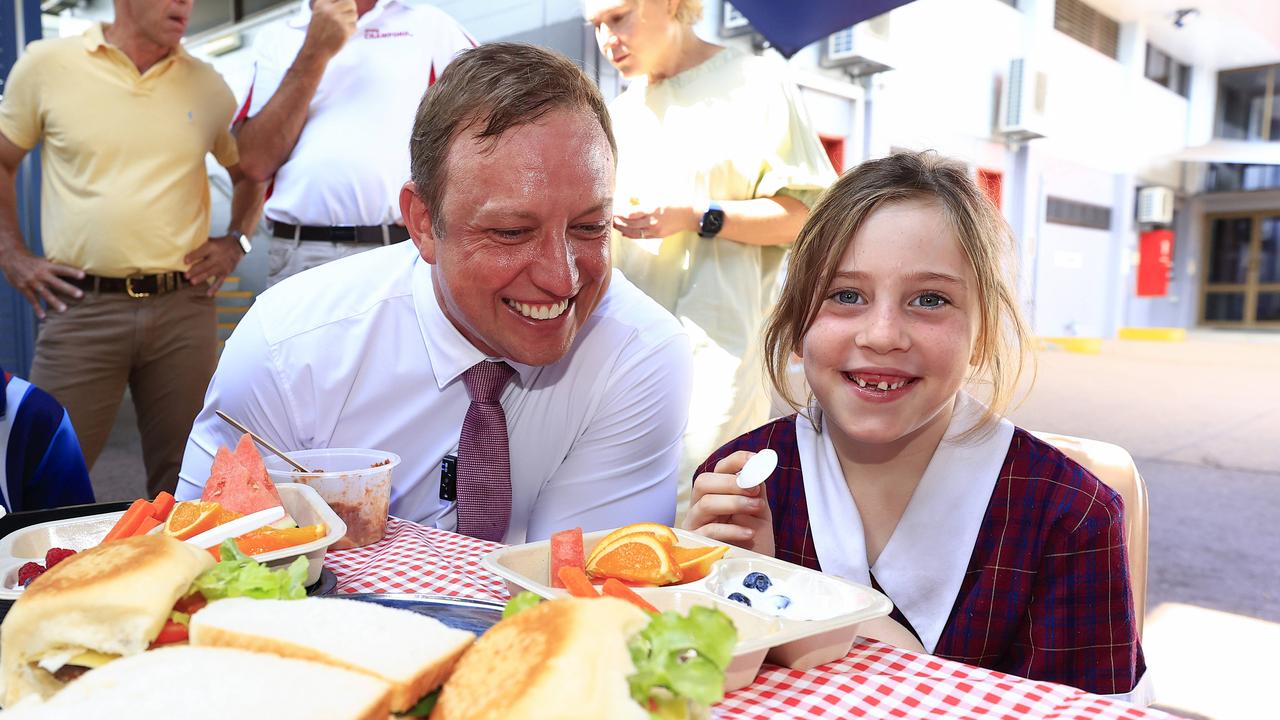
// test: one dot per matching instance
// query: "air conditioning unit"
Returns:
(732, 21)
(1155, 205)
(863, 49)
(1023, 99)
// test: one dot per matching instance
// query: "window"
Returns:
(1248, 108)
(1080, 214)
(1077, 20)
(209, 14)
(1163, 69)
(1232, 177)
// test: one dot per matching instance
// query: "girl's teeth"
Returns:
(883, 386)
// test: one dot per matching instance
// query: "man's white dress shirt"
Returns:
(357, 353)
(353, 153)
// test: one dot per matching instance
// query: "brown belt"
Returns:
(137, 286)
(358, 234)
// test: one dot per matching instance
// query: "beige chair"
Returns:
(1114, 466)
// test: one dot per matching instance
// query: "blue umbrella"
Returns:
(791, 25)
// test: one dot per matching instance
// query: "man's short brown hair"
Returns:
(498, 86)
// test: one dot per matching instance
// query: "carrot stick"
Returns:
(128, 523)
(161, 506)
(576, 582)
(147, 525)
(613, 588)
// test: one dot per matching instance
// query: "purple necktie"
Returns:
(484, 460)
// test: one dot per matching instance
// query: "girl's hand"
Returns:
(723, 511)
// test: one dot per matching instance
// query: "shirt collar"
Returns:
(94, 38)
(450, 353)
(303, 16)
(924, 562)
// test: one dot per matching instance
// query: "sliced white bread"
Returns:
(213, 684)
(412, 653)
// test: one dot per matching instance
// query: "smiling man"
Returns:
(527, 387)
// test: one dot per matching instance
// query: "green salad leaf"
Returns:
(684, 656)
(521, 602)
(238, 575)
(424, 706)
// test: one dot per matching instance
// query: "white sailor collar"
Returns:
(925, 560)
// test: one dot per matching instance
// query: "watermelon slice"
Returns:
(238, 481)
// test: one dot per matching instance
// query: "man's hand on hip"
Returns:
(40, 279)
(213, 261)
(332, 23)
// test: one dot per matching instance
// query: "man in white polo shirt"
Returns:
(508, 276)
(327, 119)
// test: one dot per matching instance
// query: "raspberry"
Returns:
(29, 572)
(56, 555)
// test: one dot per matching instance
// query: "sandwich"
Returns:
(120, 599)
(411, 653)
(198, 683)
(591, 658)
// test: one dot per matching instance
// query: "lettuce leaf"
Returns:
(685, 656)
(519, 603)
(238, 575)
(424, 706)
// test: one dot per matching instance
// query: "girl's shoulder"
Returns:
(1063, 489)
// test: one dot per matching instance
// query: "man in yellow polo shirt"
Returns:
(126, 118)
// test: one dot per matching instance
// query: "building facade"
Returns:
(1133, 145)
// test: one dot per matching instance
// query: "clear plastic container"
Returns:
(356, 483)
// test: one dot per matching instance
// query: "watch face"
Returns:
(245, 245)
(712, 221)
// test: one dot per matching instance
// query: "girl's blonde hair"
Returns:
(1003, 342)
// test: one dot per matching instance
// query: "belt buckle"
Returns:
(128, 288)
(344, 233)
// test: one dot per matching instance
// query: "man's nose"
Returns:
(555, 270)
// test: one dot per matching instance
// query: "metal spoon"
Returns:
(758, 469)
(256, 438)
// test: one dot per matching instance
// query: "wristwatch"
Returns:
(712, 221)
(245, 245)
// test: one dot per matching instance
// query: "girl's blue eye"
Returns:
(846, 297)
(931, 300)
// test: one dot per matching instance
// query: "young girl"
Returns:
(996, 549)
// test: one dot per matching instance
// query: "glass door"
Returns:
(1242, 282)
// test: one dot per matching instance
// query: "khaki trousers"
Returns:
(164, 347)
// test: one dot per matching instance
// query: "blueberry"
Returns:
(739, 597)
(780, 602)
(758, 581)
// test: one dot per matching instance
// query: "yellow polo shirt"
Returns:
(124, 188)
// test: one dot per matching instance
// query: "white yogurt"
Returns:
(800, 597)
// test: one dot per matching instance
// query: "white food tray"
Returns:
(793, 643)
(30, 543)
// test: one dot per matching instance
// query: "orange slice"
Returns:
(265, 540)
(225, 516)
(639, 558)
(695, 563)
(191, 518)
(661, 533)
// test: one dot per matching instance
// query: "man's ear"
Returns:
(417, 219)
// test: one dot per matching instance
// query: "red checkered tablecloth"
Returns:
(873, 681)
